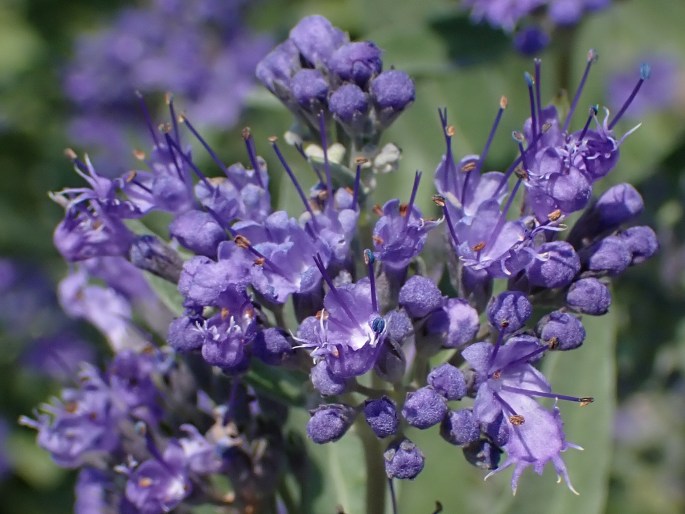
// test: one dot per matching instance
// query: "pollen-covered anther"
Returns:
(554, 215)
(404, 209)
(145, 482)
(322, 314)
(360, 161)
(70, 154)
(71, 407)
(225, 313)
(503, 102)
(504, 324)
(449, 130)
(242, 242)
(553, 343)
(322, 195)
(439, 200)
(272, 139)
(378, 240)
(587, 400)
(469, 166)
(139, 154)
(497, 374)
(259, 261)
(478, 246)
(546, 126)
(521, 173)
(246, 133)
(378, 210)
(517, 420)
(164, 128)
(131, 176)
(335, 352)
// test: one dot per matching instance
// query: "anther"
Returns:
(450, 131)
(478, 246)
(469, 166)
(377, 240)
(585, 401)
(554, 215)
(145, 482)
(553, 343)
(242, 242)
(139, 154)
(517, 420)
(225, 313)
(259, 261)
(70, 154)
(246, 133)
(404, 209)
(503, 102)
(439, 200)
(377, 210)
(272, 139)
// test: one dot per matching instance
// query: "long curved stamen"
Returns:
(243, 242)
(334, 290)
(502, 106)
(531, 98)
(147, 117)
(645, 72)
(357, 181)
(584, 400)
(495, 350)
(252, 154)
(293, 179)
(538, 102)
(591, 58)
(369, 260)
(172, 114)
(174, 146)
(412, 198)
(593, 114)
(440, 202)
(518, 160)
(300, 150)
(205, 144)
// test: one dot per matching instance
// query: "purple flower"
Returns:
(160, 484)
(403, 460)
(508, 385)
(329, 423)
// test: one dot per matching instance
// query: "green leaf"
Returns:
(336, 476)
(277, 383)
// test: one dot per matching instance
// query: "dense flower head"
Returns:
(263, 310)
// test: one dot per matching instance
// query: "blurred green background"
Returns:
(634, 359)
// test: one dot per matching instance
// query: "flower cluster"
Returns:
(532, 21)
(199, 49)
(262, 294)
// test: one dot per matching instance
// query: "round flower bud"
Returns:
(463, 322)
(509, 311)
(424, 408)
(324, 382)
(531, 40)
(617, 205)
(316, 39)
(329, 422)
(197, 231)
(275, 70)
(483, 454)
(420, 296)
(589, 296)
(561, 330)
(610, 255)
(392, 92)
(403, 460)
(557, 265)
(448, 381)
(641, 242)
(460, 427)
(356, 62)
(348, 104)
(272, 346)
(184, 335)
(381, 415)
(309, 88)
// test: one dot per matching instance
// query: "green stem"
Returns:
(375, 471)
